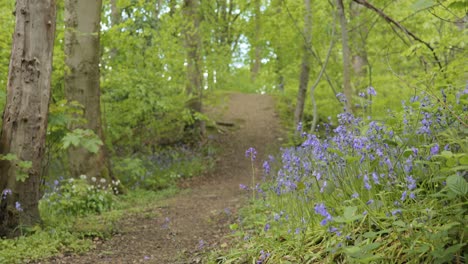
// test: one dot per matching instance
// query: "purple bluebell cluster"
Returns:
(360, 161)
(251, 153)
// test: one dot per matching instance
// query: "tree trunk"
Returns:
(25, 116)
(347, 89)
(82, 51)
(258, 48)
(194, 82)
(360, 63)
(115, 15)
(305, 65)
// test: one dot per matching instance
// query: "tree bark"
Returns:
(347, 89)
(194, 88)
(257, 47)
(82, 84)
(305, 65)
(360, 62)
(25, 116)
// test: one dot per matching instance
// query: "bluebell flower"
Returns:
(375, 177)
(435, 149)
(341, 97)
(276, 217)
(403, 196)
(355, 195)
(411, 183)
(397, 211)
(266, 167)
(322, 210)
(5, 193)
(366, 182)
(18, 207)
(251, 153)
(267, 227)
(299, 127)
(371, 91)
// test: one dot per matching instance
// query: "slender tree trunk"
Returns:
(347, 89)
(82, 51)
(258, 48)
(360, 63)
(115, 15)
(194, 88)
(25, 116)
(305, 65)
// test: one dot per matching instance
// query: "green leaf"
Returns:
(457, 185)
(9, 157)
(463, 160)
(399, 223)
(350, 211)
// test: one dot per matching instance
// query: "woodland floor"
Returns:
(170, 230)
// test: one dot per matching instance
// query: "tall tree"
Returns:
(347, 89)
(25, 116)
(257, 56)
(82, 81)
(360, 62)
(194, 87)
(305, 65)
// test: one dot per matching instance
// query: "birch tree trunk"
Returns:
(82, 84)
(347, 89)
(305, 65)
(25, 116)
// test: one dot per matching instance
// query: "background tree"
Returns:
(25, 116)
(346, 55)
(82, 81)
(193, 43)
(305, 65)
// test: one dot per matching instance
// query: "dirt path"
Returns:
(175, 229)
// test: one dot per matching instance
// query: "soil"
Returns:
(180, 228)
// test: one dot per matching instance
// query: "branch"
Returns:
(401, 27)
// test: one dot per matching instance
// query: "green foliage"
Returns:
(85, 138)
(22, 166)
(163, 168)
(79, 197)
(347, 198)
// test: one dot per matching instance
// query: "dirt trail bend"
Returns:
(199, 216)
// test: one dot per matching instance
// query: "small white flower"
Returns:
(93, 179)
(103, 180)
(83, 177)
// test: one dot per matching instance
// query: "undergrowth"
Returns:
(76, 212)
(392, 191)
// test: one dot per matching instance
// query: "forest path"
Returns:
(174, 229)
